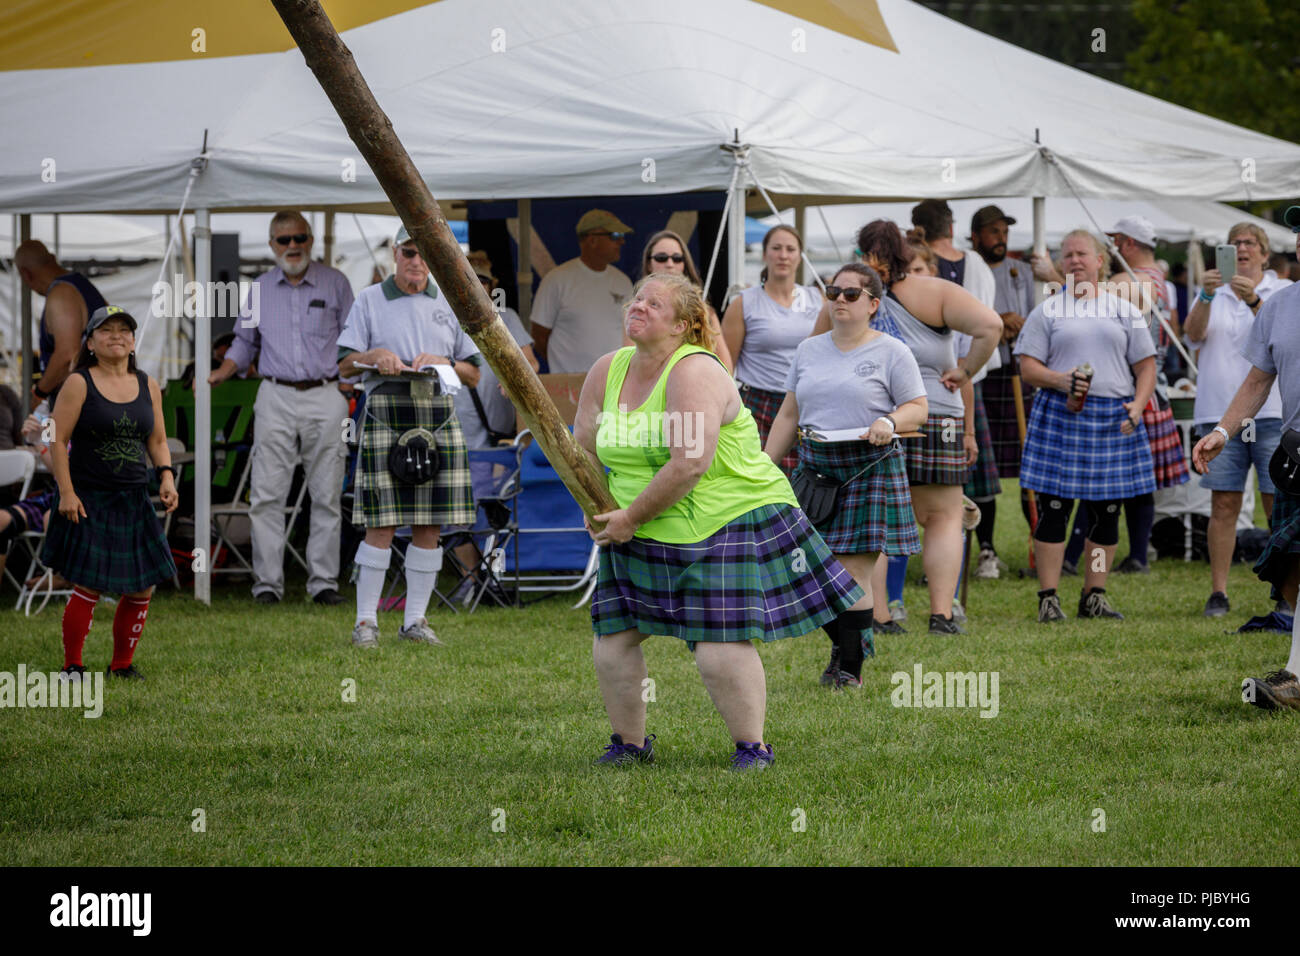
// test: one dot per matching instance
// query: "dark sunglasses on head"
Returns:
(850, 294)
(298, 237)
(410, 251)
(676, 257)
(611, 235)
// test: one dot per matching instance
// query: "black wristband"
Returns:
(161, 468)
(39, 394)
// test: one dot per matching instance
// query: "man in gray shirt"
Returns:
(301, 307)
(1273, 350)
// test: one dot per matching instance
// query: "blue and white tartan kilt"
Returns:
(1084, 454)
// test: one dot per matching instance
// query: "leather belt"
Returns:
(303, 385)
(404, 387)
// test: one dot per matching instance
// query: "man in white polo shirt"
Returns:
(578, 311)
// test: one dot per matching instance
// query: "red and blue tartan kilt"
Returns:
(766, 575)
(874, 511)
(1283, 548)
(1166, 446)
(764, 405)
(933, 459)
(1084, 454)
(118, 547)
(1000, 408)
(982, 478)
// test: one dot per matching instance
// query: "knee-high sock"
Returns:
(1139, 515)
(77, 618)
(988, 518)
(1293, 665)
(372, 565)
(422, 567)
(857, 639)
(128, 628)
(1078, 534)
(895, 577)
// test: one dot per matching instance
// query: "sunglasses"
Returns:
(410, 252)
(676, 257)
(301, 238)
(612, 235)
(850, 294)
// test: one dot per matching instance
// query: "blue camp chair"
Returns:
(552, 549)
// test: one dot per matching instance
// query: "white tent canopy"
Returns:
(536, 98)
(1175, 220)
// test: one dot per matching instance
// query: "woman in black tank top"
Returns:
(104, 534)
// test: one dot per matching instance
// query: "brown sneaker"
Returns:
(1279, 689)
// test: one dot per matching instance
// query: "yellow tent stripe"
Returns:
(859, 19)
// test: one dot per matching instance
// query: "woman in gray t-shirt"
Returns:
(847, 393)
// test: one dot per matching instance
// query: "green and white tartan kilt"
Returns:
(385, 502)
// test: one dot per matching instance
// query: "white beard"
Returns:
(292, 270)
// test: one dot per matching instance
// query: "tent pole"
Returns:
(202, 409)
(800, 226)
(524, 278)
(57, 244)
(25, 316)
(329, 238)
(1040, 239)
(736, 226)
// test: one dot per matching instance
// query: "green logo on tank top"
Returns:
(122, 448)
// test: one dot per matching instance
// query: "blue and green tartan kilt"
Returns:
(764, 405)
(1084, 454)
(118, 547)
(982, 478)
(766, 575)
(875, 510)
(937, 457)
(1283, 548)
(385, 502)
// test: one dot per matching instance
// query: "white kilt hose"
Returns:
(384, 501)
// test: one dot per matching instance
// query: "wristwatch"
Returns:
(40, 394)
(892, 424)
(161, 468)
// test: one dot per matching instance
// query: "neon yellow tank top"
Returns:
(634, 445)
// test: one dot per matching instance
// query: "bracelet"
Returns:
(1223, 431)
(892, 424)
(39, 394)
(1207, 299)
(161, 468)
(1253, 305)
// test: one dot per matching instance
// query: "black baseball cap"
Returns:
(106, 312)
(986, 215)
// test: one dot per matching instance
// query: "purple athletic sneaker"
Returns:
(751, 756)
(620, 754)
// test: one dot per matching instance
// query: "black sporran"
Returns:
(413, 460)
(1284, 466)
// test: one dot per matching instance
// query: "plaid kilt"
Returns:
(1166, 446)
(933, 461)
(875, 510)
(982, 477)
(765, 576)
(764, 405)
(1084, 454)
(119, 547)
(1283, 548)
(1000, 406)
(385, 502)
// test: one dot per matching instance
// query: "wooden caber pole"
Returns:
(372, 132)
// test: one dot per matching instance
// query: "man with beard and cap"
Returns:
(302, 308)
(1013, 299)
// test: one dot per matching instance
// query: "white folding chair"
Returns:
(239, 506)
(17, 467)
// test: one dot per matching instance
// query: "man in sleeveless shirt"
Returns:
(70, 298)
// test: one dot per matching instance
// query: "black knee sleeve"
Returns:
(855, 627)
(1105, 523)
(1053, 516)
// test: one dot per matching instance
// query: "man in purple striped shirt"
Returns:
(302, 308)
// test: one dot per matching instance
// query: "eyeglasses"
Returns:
(410, 252)
(1245, 243)
(616, 236)
(302, 238)
(677, 258)
(850, 294)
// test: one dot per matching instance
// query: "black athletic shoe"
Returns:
(329, 597)
(72, 672)
(944, 625)
(126, 673)
(1049, 609)
(833, 668)
(1132, 565)
(889, 627)
(1217, 605)
(266, 597)
(1094, 604)
(1279, 689)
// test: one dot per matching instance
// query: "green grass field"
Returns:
(243, 717)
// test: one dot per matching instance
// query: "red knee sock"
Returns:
(77, 617)
(128, 627)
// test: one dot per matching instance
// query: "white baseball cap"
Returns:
(1138, 228)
